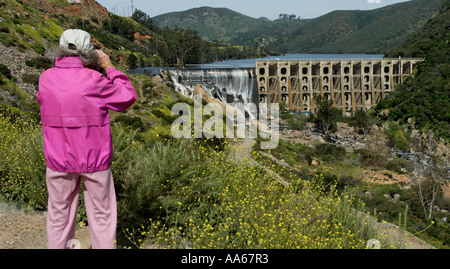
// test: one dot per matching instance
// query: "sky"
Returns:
(271, 9)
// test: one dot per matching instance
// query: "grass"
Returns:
(50, 30)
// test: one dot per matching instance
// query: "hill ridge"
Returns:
(339, 31)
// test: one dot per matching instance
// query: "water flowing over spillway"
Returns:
(230, 86)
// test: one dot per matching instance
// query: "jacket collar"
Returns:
(68, 62)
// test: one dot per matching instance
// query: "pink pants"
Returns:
(100, 202)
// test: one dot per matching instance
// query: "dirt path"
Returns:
(400, 237)
(26, 229)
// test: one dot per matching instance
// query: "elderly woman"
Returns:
(74, 99)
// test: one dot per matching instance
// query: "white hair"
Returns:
(89, 58)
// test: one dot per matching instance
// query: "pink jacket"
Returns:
(74, 113)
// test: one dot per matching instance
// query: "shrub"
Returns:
(397, 138)
(8, 40)
(167, 118)
(22, 162)
(331, 181)
(31, 78)
(39, 62)
(297, 122)
(385, 208)
(329, 151)
(147, 181)
(361, 121)
(135, 122)
(397, 164)
(371, 157)
(4, 29)
(4, 70)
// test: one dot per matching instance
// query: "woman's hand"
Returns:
(103, 60)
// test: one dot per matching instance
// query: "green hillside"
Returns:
(211, 23)
(225, 25)
(379, 30)
(374, 31)
(425, 98)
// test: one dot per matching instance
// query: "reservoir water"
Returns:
(251, 63)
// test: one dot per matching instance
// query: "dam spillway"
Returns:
(231, 85)
(351, 85)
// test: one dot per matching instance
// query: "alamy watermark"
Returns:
(267, 124)
(374, 244)
(73, 244)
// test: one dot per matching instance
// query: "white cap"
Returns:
(79, 38)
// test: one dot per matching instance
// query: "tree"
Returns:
(430, 174)
(144, 19)
(428, 189)
(189, 41)
(327, 116)
(132, 60)
(285, 16)
(361, 121)
(120, 26)
(140, 16)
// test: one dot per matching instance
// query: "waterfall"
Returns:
(230, 86)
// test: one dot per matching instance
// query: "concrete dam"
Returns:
(350, 84)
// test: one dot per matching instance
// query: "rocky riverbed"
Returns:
(424, 146)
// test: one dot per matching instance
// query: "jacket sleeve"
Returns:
(38, 99)
(117, 92)
(38, 94)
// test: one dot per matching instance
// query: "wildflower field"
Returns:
(22, 163)
(194, 194)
